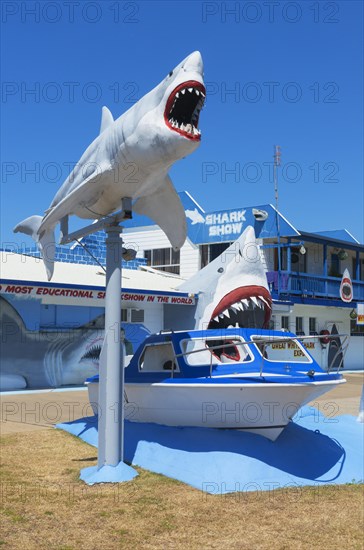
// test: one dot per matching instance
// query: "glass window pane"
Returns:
(148, 256)
(175, 257)
(285, 322)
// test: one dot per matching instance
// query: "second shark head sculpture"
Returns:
(233, 288)
(131, 157)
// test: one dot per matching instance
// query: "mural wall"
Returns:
(56, 356)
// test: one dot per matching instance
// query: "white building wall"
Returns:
(326, 317)
(153, 314)
(156, 238)
(315, 258)
(146, 240)
(190, 259)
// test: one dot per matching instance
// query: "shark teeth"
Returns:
(265, 301)
(92, 353)
(184, 110)
(188, 128)
(240, 313)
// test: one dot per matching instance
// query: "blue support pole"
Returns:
(324, 267)
(357, 266)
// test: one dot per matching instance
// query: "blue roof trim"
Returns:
(338, 234)
(331, 302)
(323, 239)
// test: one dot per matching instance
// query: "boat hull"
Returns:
(263, 408)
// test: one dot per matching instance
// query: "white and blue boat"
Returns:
(245, 379)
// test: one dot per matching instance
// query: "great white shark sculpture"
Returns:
(233, 288)
(144, 142)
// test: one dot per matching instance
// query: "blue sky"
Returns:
(287, 73)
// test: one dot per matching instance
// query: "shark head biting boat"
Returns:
(131, 158)
(233, 288)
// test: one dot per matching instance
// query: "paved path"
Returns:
(29, 411)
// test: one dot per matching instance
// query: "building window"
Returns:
(312, 325)
(124, 315)
(298, 260)
(356, 329)
(285, 322)
(209, 252)
(353, 265)
(272, 323)
(334, 270)
(137, 316)
(164, 259)
(299, 326)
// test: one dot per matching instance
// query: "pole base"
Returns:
(108, 474)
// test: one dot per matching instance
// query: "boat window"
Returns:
(158, 358)
(290, 350)
(218, 351)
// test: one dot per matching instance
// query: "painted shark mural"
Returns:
(233, 288)
(131, 157)
(51, 358)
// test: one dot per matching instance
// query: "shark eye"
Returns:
(170, 74)
(220, 270)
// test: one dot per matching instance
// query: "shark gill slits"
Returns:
(184, 110)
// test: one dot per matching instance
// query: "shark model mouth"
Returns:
(93, 353)
(347, 290)
(183, 109)
(245, 307)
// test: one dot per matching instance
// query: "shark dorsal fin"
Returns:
(106, 119)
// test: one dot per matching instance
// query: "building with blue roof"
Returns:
(304, 273)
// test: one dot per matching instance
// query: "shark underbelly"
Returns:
(122, 182)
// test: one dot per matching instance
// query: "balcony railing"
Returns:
(313, 286)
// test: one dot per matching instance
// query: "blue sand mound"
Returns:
(108, 474)
(312, 450)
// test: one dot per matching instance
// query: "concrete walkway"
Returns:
(29, 411)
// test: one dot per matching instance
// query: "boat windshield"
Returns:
(206, 351)
(281, 349)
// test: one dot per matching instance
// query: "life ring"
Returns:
(326, 340)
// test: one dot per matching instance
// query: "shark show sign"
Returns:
(228, 224)
(225, 223)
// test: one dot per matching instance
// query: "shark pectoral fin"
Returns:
(106, 119)
(164, 207)
(64, 227)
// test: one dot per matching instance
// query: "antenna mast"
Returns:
(277, 162)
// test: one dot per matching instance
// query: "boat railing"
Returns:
(265, 340)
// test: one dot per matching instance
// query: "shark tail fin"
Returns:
(45, 240)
